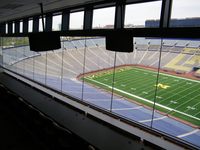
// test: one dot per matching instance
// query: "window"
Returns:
(76, 20)
(103, 18)
(21, 26)
(57, 23)
(143, 15)
(13, 27)
(30, 25)
(6, 28)
(157, 84)
(40, 24)
(126, 84)
(185, 13)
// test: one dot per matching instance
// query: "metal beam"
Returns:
(188, 32)
(88, 16)
(36, 24)
(17, 27)
(119, 14)
(65, 20)
(48, 22)
(10, 27)
(25, 25)
(2, 28)
(165, 13)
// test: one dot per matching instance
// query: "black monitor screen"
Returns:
(44, 41)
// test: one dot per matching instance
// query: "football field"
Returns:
(177, 96)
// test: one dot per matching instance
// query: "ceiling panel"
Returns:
(14, 9)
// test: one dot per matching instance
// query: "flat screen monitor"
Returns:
(44, 41)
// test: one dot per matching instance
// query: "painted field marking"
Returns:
(189, 133)
(197, 113)
(190, 107)
(149, 120)
(176, 80)
(159, 97)
(169, 75)
(146, 100)
(174, 102)
(145, 92)
(180, 92)
(188, 83)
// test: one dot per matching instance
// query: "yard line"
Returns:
(139, 79)
(181, 91)
(131, 108)
(146, 100)
(170, 75)
(189, 133)
(195, 104)
(142, 89)
(186, 101)
(148, 120)
(196, 114)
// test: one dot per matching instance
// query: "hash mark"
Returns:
(176, 80)
(145, 92)
(188, 83)
(159, 97)
(174, 102)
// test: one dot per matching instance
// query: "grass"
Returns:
(179, 97)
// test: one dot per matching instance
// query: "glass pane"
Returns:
(73, 58)
(76, 20)
(98, 62)
(142, 15)
(1, 52)
(6, 28)
(159, 80)
(178, 89)
(30, 26)
(54, 69)
(13, 27)
(134, 80)
(40, 67)
(103, 18)
(40, 24)
(57, 23)
(21, 27)
(185, 13)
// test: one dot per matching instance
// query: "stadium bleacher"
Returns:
(62, 75)
(177, 55)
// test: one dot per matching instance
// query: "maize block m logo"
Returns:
(162, 86)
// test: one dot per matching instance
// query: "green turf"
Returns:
(177, 96)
